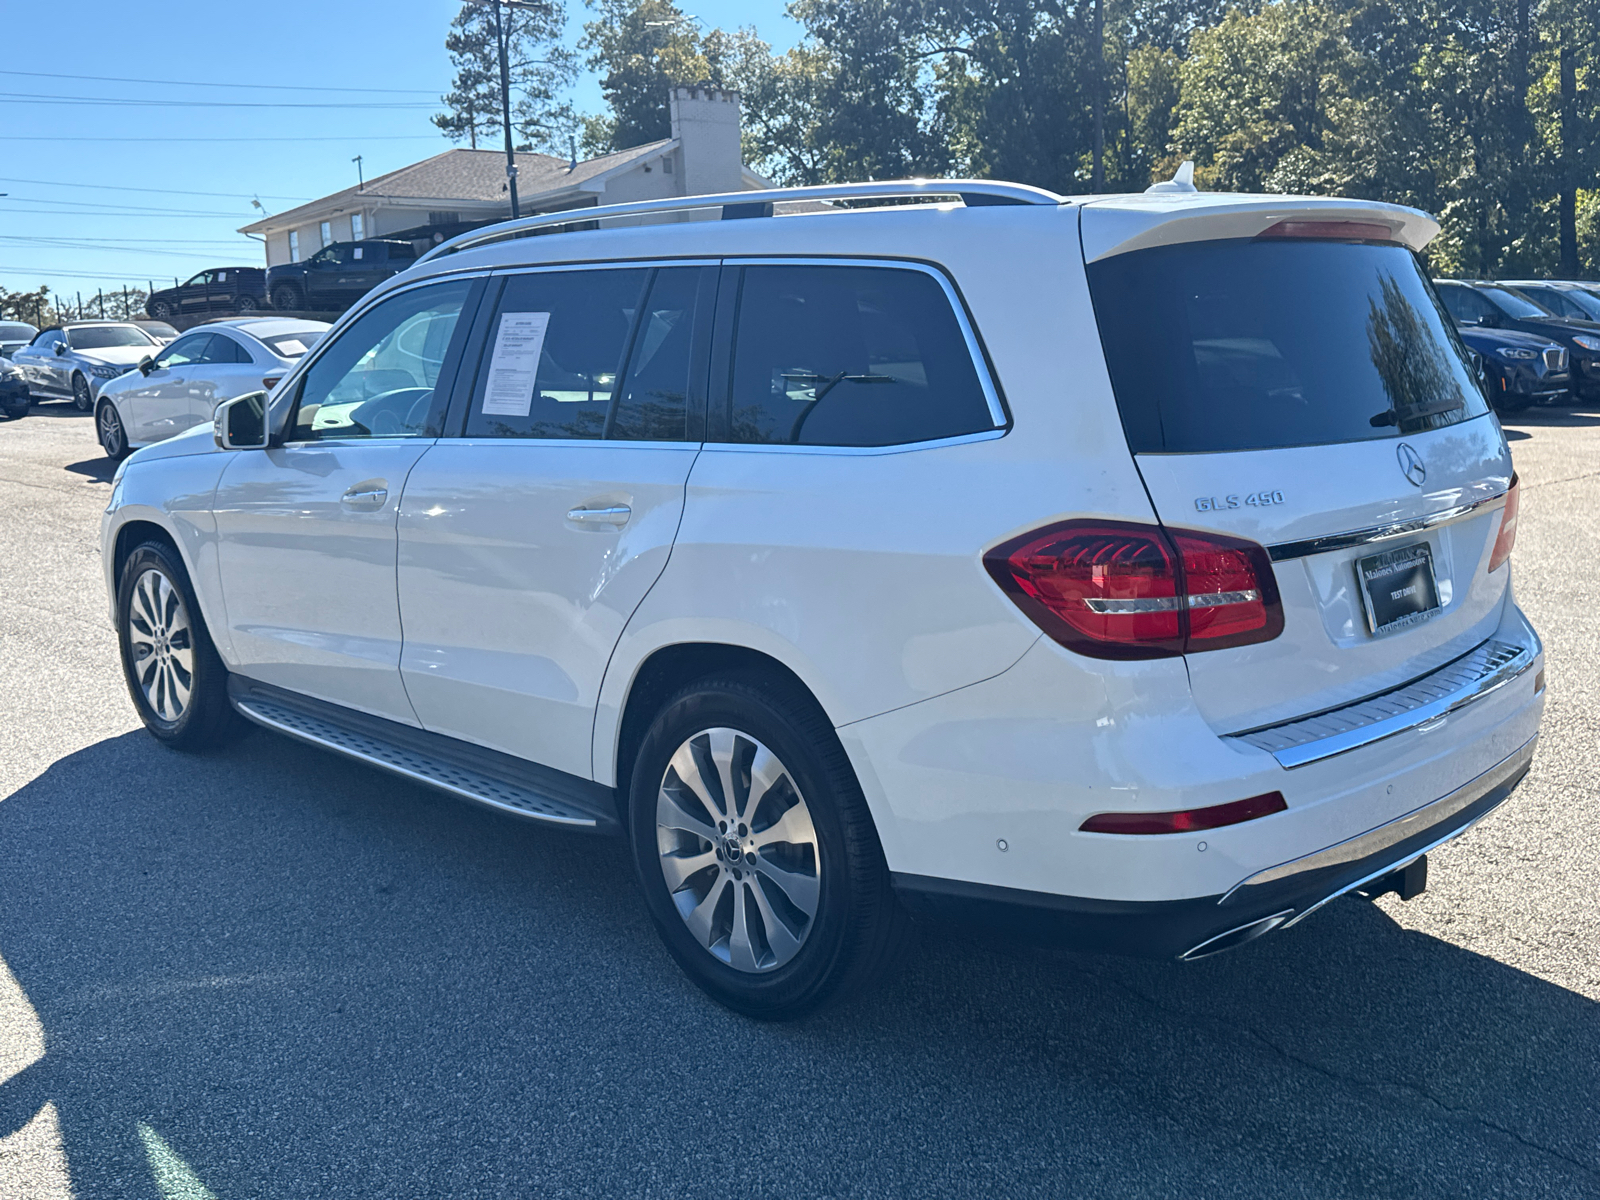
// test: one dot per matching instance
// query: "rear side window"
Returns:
(225, 350)
(591, 354)
(1260, 344)
(850, 356)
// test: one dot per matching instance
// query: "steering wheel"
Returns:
(381, 414)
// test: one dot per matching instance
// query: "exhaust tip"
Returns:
(1235, 937)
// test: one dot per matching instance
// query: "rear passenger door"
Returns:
(527, 541)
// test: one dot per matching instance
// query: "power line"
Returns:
(386, 137)
(108, 206)
(275, 87)
(66, 244)
(148, 241)
(115, 187)
(122, 216)
(122, 102)
(49, 272)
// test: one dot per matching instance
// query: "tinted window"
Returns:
(226, 350)
(15, 332)
(105, 337)
(554, 354)
(653, 403)
(190, 349)
(1251, 345)
(400, 250)
(1512, 304)
(377, 379)
(850, 356)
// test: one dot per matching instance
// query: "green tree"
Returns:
(539, 66)
(643, 48)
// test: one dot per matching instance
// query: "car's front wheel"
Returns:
(760, 864)
(286, 297)
(113, 438)
(178, 683)
(17, 406)
(82, 397)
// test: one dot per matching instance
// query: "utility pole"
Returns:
(505, 107)
(360, 181)
(102, 295)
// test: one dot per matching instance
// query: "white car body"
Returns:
(163, 400)
(465, 601)
(52, 375)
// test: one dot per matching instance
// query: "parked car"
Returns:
(73, 361)
(1563, 299)
(182, 385)
(337, 275)
(14, 335)
(1519, 368)
(1493, 306)
(221, 289)
(850, 565)
(15, 399)
(160, 330)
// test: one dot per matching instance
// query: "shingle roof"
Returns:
(471, 175)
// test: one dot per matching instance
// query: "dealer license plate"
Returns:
(1398, 587)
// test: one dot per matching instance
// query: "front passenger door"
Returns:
(306, 529)
(162, 405)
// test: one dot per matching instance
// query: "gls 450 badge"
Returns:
(1249, 499)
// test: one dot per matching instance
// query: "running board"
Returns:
(469, 772)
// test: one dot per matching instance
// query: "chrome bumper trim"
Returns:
(1485, 669)
(1377, 533)
(1392, 833)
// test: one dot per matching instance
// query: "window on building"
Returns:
(294, 245)
(358, 227)
(327, 233)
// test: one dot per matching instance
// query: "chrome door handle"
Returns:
(365, 495)
(615, 514)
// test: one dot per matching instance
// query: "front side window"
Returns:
(850, 356)
(377, 379)
(1257, 344)
(186, 350)
(1513, 305)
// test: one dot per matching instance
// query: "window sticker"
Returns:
(515, 364)
(290, 347)
(357, 252)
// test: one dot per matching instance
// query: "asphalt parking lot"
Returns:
(271, 973)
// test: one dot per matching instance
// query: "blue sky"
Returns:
(120, 194)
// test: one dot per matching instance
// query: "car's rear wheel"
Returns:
(286, 297)
(17, 407)
(178, 683)
(113, 439)
(759, 861)
(245, 304)
(160, 310)
(82, 398)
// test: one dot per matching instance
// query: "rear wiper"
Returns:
(1410, 412)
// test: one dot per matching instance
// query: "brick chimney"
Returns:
(705, 121)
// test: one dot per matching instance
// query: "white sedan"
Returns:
(182, 385)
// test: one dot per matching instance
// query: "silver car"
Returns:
(14, 335)
(72, 361)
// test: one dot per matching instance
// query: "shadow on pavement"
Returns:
(99, 469)
(308, 979)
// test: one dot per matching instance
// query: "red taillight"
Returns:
(1338, 231)
(1114, 590)
(1508, 527)
(1189, 820)
(271, 381)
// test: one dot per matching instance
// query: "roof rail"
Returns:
(973, 193)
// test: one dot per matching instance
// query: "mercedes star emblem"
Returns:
(1411, 464)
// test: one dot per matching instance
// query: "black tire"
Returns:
(82, 397)
(160, 310)
(858, 927)
(108, 428)
(246, 304)
(286, 297)
(205, 719)
(18, 408)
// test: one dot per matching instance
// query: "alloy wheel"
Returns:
(161, 642)
(738, 850)
(110, 431)
(81, 398)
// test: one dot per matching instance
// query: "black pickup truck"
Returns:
(221, 289)
(338, 275)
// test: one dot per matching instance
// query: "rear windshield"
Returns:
(1256, 345)
(293, 345)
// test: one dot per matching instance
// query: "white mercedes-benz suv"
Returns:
(1129, 571)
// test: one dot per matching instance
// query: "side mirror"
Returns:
(146, 365)
(1490, 320)
(241, 423)
(61, 349)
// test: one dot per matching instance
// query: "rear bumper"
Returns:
(1274, 898)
